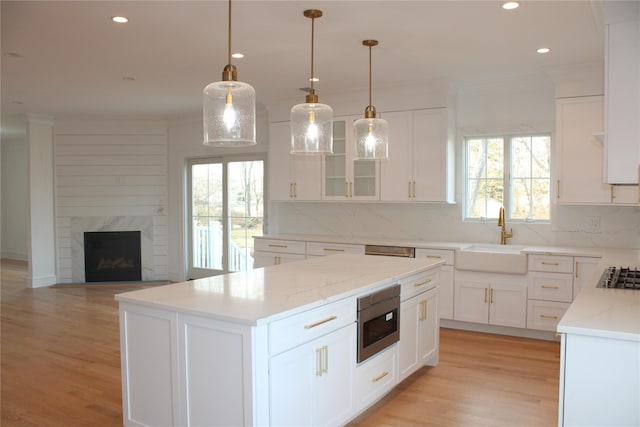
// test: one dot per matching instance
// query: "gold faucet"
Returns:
(503, 234)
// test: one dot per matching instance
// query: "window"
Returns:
(226, 209)
(511, 171)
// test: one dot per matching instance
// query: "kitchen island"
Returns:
(600, 353)
(271, 346)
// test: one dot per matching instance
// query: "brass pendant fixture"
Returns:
(312, 122)
(372, 134)
(229, 108)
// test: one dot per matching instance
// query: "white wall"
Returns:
(15, 192)
(516, 105)
(185, 142)
(111, 176)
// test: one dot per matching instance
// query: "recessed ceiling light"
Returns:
(238, 55)
(510, 5)
(120, 19)
(543, 50)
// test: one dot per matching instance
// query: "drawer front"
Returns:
(551, 263)
(551, 286)
(322, 249)
(436, 255)
(545, 315)
(376, 377)
(300, 328)
(418, 283)
(281, 246)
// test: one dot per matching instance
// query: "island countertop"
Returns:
(265, 294)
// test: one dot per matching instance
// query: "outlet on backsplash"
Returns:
(592, 223)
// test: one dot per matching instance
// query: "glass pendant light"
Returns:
(311, 122)
(229, 108)
(372, 134)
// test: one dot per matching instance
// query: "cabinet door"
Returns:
(584, 270)
(508, 305)
(396, 174)
(580, 154)
(313, 384)
(471, 301)
(432, 156)
(445, 298)
(291, 177)
(419, 331)
(345, 178)
(265, 259)
(622, 88)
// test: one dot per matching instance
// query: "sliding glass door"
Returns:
(226, 209)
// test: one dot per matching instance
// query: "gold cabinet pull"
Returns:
(409, 189)
(325, 359)
(423, 310)
(550, 263)
(558, 192)
(423, 283)
(577, 264)
(295, 190)
(276, 260)
(333, 249)
(485, 295)
(320, 322)
(491, 298)
(414, 189)
(351, 189)
(379, 377)
(318, 362)
(434, 256)
(549, 287)
(544, 316)
(278, 246)
(346, 189)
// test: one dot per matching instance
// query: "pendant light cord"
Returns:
(229, 38)
(313, 21)
(370, 75)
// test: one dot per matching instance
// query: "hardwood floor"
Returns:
(61, 367)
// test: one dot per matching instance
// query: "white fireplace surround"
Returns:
(80, 225)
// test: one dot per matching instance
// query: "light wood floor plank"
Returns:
(60, 366)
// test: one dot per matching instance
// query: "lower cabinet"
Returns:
(313, 384)
(265, 259)
(599, 381)
(498, 301)
(376, 376)
(419, 332)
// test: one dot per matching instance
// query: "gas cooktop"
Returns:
(620, 278)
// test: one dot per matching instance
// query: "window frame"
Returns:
(507, 139)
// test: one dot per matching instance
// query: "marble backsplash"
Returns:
(576, 226)
(79, 225)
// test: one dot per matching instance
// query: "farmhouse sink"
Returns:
(506, 259)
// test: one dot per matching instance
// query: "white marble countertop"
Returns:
(265, 294)
(606, 313)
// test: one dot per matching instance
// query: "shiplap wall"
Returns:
(110, 171)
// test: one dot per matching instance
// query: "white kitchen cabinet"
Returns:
(599, 381)
(551, 290)
(421, 157)
(626, 194)
(344, 178)
(583, 271)
(622, 91)
(149, 353)
(445, 278)
(291, 177)
(313, 384)
(376, 377)
(491, 299)
(579, 152)
(324, 249)
(419, 332)
(276, 251)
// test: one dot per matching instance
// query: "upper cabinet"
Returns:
(622, 91)
(343, 177)
(421, 157)
(291, 177)
(579, 152)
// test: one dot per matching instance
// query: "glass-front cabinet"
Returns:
(343, 177)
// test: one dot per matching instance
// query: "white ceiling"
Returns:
(72, 58)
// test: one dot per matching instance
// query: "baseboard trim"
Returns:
(500, 330)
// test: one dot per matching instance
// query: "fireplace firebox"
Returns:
(112, 256)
